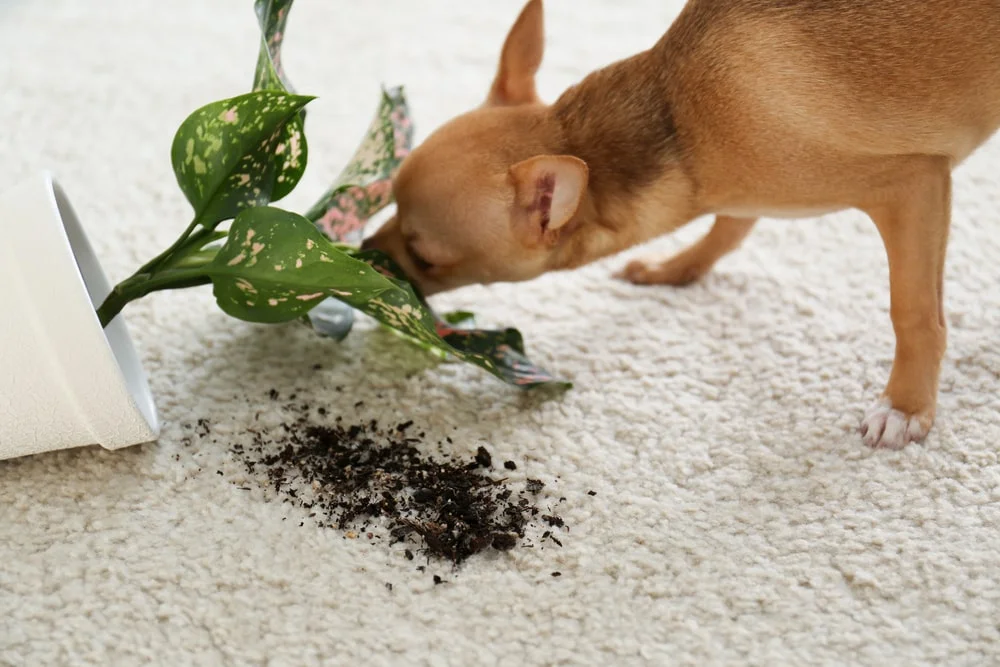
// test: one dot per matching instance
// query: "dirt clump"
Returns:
(368, 479)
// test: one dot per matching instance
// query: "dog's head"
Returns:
(488, 197)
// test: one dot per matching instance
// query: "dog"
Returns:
(744, 109)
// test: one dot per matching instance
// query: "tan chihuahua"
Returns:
(745, 108)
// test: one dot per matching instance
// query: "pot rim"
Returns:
(92, 375)
(117, 340)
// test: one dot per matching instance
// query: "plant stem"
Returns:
(189, 272)
(182, 240)
(142, 284)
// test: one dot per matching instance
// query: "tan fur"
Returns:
(520, 59)
(745, 108)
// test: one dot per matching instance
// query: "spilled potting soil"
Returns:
(377, 481)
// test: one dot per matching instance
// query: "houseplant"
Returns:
(232, 158)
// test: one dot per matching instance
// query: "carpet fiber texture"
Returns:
(737, 518)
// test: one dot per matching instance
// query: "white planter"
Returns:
(64, 382)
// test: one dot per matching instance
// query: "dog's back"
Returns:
(886, 76)
(842, 78)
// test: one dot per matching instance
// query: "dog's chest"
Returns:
(789, 212)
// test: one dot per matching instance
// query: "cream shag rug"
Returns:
(738, 519)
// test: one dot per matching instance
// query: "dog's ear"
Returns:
(548, 191)
(520, 59)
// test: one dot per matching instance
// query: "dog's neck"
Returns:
(618, 120)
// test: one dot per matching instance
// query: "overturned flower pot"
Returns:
(64, 380)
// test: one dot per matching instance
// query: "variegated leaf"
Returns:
(272, 15)
(270, 75)
(503, 348)
(363, 189)
(224, 154)
(276, 266)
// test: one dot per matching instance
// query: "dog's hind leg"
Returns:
(692, 263)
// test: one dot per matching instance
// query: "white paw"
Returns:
(886, 428)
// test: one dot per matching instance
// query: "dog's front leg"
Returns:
(912, 216)
(693, 262)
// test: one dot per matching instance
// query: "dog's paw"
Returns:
(886, 428)
(676, 271)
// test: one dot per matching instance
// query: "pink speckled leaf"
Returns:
(224, 153)
(276, 266)
(292, 150)
(272, 15)
(364, 187)
(361, 190)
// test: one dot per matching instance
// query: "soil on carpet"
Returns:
(377, 480)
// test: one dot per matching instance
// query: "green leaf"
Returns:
(276, 266)
(364, 187)
(460, 318)
(504, 348)
(272, 16)
(233, 154)
(361, 190)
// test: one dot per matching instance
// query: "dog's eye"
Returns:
(422, 264)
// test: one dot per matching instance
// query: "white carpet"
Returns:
(738, 519)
